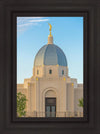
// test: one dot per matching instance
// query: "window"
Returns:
(37, 71)
(50, 71)
(62, 72)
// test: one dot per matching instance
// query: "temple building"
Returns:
(50, 92)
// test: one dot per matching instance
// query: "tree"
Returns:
(80, 102)
(21, 104)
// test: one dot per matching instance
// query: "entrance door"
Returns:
(50, 107)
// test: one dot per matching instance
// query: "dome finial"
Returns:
(50, 37)
(50, 27)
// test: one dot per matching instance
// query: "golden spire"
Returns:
(50, 27)
(50, 37)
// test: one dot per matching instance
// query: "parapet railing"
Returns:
(54, 114)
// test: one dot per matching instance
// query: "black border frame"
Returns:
(92, 124)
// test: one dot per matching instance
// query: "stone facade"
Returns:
(66, 90)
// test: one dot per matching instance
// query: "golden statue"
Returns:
(50, 27)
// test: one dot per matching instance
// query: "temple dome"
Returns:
(50, 54)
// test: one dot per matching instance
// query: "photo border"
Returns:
(9, 125)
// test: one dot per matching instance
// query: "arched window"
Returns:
(62, 72)
(50, 71)
(37, 71)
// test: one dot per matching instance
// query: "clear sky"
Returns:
(32, 34)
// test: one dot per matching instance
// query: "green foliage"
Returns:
(21, 104)
(80, 102)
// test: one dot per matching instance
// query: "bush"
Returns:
(80, 102)
(21, 104)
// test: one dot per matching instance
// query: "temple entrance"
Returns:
(50, 107)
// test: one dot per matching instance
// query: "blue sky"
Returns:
(32, 34)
